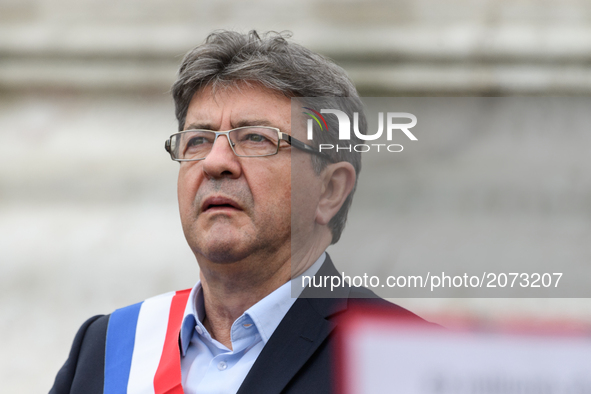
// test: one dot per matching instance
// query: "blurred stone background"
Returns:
(88, 216)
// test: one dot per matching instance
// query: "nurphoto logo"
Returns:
(392, 125)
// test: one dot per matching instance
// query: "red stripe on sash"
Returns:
(168, 375)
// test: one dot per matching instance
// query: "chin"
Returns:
(225, 255)
(223, 249)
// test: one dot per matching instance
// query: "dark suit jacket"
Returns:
(298, 358)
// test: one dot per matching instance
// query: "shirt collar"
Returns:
(266, 314)
(194, 313)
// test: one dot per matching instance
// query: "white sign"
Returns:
(379, 355)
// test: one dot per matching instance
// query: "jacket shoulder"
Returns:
(83, 370)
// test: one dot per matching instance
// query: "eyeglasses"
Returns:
(249, 141)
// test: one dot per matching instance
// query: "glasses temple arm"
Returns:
(305, 147)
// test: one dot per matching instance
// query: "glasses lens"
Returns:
(255, 141)
(192, 145)
(247, 141)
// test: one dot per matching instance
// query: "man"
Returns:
(258, 205)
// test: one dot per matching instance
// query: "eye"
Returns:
(196, 141)
(253, 137)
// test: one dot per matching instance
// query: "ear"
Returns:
(338, 180)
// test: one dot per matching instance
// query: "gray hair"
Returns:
(228, 58)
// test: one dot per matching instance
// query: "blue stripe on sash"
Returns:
(119, 348)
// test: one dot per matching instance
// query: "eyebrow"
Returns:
(241, 123)
(255, 122)
(193, 126)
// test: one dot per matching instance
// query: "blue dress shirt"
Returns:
(207, 365)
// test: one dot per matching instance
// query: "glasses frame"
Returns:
(282, 137)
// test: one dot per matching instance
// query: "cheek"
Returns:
(306, 190)
(186, 188)
(271, 191)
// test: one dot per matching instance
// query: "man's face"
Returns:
(235, 208)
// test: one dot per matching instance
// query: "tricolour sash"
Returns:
(142, 350)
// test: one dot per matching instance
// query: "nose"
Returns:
(221, 161)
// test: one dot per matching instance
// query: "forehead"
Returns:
(238, 106)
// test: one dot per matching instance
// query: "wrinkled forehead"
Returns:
(243, 104)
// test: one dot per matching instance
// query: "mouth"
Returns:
(219, 203)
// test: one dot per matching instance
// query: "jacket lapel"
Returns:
(303, 329)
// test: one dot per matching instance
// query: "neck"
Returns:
(229, 289)
(229, 293)
(304, 256)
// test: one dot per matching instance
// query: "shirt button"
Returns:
(222, 366)
(247, 325)
(199, 330)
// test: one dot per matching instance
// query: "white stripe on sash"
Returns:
(149, 342)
